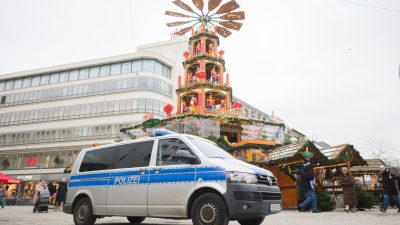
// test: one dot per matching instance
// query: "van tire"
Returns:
(83, 212)
(209, 209)
(253, 221)
(135, 219)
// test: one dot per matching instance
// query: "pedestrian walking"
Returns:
(388, 180)
(61, 194)
(349, 190)
(307, 184)
(2, 195)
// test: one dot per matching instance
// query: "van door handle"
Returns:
(156, 170)
(142, 171)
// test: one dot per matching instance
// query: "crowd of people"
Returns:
(306, 188)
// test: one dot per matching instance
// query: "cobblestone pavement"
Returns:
(22, 215)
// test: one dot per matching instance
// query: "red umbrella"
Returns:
(9, 180)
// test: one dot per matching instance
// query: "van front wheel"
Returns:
(83, 212)
(135, 219)
(209, 209)
(254, 221)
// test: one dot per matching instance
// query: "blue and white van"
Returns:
(171, 176)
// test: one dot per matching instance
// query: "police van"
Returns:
(169, 176)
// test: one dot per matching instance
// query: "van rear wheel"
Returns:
(135, 219)
(83, 212)
(209, 209)
(254, 221)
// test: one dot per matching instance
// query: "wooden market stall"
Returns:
(283, 162)
(370, 171)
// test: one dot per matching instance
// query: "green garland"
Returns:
(204, 85)
(202, 116)
(197, 37)
(207, 57)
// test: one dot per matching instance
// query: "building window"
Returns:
(44, 80)
(73, 75)
(54, 78)
(83, 74)
(9, 85)
(105, 70)
(115, 69)
(126, 67)
(2, 85)
(148, 65)
(63, 76)
(18, 83)
(94, 72)
(137, 66)
(35, 81)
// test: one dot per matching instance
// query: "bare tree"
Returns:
(383, 150)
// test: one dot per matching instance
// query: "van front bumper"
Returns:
(246, 201)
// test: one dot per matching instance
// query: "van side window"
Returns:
(100, 159)
(167, 149)
(133, 155)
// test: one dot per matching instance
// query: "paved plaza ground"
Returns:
(22, 215)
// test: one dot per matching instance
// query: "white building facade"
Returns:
(48, 115)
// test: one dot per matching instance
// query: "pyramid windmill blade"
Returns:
(174, 24)
(213, 4)
(183, 6)
(183, 31)
(233, 16)
(199, 4)
(223, 31)
(169, 13)
(231, 25)
(228, 7)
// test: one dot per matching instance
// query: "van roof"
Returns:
(138, 140)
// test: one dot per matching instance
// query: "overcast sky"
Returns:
(329, 68)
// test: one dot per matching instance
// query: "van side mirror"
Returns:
(185, 155)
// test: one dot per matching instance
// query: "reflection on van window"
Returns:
(210, 149)
(100, 159)
(133, 155)
(167, 149)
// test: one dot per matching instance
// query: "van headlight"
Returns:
(246, 178)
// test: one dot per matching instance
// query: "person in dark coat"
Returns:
(52, 188)
(61, 194)
(349, 190)
(307, 184)
(388, 180)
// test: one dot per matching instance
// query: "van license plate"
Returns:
(275, 207)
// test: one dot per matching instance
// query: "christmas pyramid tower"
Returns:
(205, 88)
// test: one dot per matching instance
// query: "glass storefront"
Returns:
(37, 160)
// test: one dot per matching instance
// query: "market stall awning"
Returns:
(8, 180)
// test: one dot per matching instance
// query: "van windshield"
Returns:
(210, 149)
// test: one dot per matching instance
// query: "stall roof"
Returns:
(285, 151)
(338, 153)
(333, 152)
(373, 165)
(293, 153)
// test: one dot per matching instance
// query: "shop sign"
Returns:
(24, 177)
(151, 123)
(32, 161)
